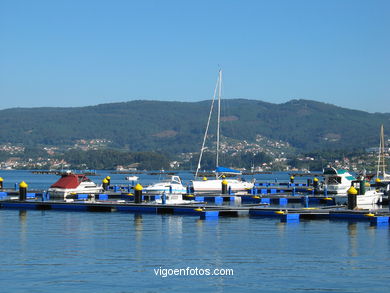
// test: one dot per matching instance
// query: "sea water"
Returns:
(60, 251)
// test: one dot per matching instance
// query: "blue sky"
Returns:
(77, 53)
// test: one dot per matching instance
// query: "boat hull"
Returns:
(63, 193)
(216, 185)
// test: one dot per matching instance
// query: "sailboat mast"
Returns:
(383, 150)
(219, 115)
(381, 155)
(207, 129)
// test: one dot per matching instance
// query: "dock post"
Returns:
(105, 183)
(138, 193)
(291, 179)
(326, 190)
(293, 191)
(315, 184)
(108, 180)
(23, 191)
(170, 189)
(1, 182)
(352, 200)
(164, 198)
(16, 186)
(362, 187)
(224, 187)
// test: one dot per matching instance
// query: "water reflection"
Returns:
(352, 240)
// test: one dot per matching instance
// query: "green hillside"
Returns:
(176, 127)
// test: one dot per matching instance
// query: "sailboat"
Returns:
(381, 172)
(215, 185)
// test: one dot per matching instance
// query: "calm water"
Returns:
(47, 251)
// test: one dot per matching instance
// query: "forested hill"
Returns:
(176, 127)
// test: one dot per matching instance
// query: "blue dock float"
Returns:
(250, 199)
(265, 200)
(136, 209)
(218, 200)
(19, 205)
(187, 211)
(284, 216)
(380, 220)
(103, 196)
(73, 206)
(290, 218)
(209, 215)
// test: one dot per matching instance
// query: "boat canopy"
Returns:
(69, 181)
(334, 171)
(225, 170)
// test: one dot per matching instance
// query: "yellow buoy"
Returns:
(224, 182)
(377, 180)
(204, 178)
(255, 196)
(315, 179)
(1, 179)
(23, 184)
(138, 187)
(223, 176)
(292, 177)
(108, 177)
(105, 180)
(199, 210)
(352, 190)
(328, 198)
(279, 212)
(129, 194)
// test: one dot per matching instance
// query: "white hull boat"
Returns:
(337, 181)
(172, 186)
(132, 178)
(215, 185)
(173, 199)
(369, 198)
(70, 183)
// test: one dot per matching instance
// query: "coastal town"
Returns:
(282, 157)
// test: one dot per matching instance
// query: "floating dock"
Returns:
(207, 211)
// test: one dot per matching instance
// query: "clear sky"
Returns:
(88, 52)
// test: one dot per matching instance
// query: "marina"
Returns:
(289, 201)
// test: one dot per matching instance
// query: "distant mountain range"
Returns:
(176, 127)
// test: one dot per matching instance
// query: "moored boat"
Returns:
(171, 186)
(215, 185)
(71, 183)
(337, 181)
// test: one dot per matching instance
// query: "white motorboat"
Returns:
(171, 186)
(70, 183)
(216, 184)
(132, 178)
(173, 198)
(337, 181)
(371, 196)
